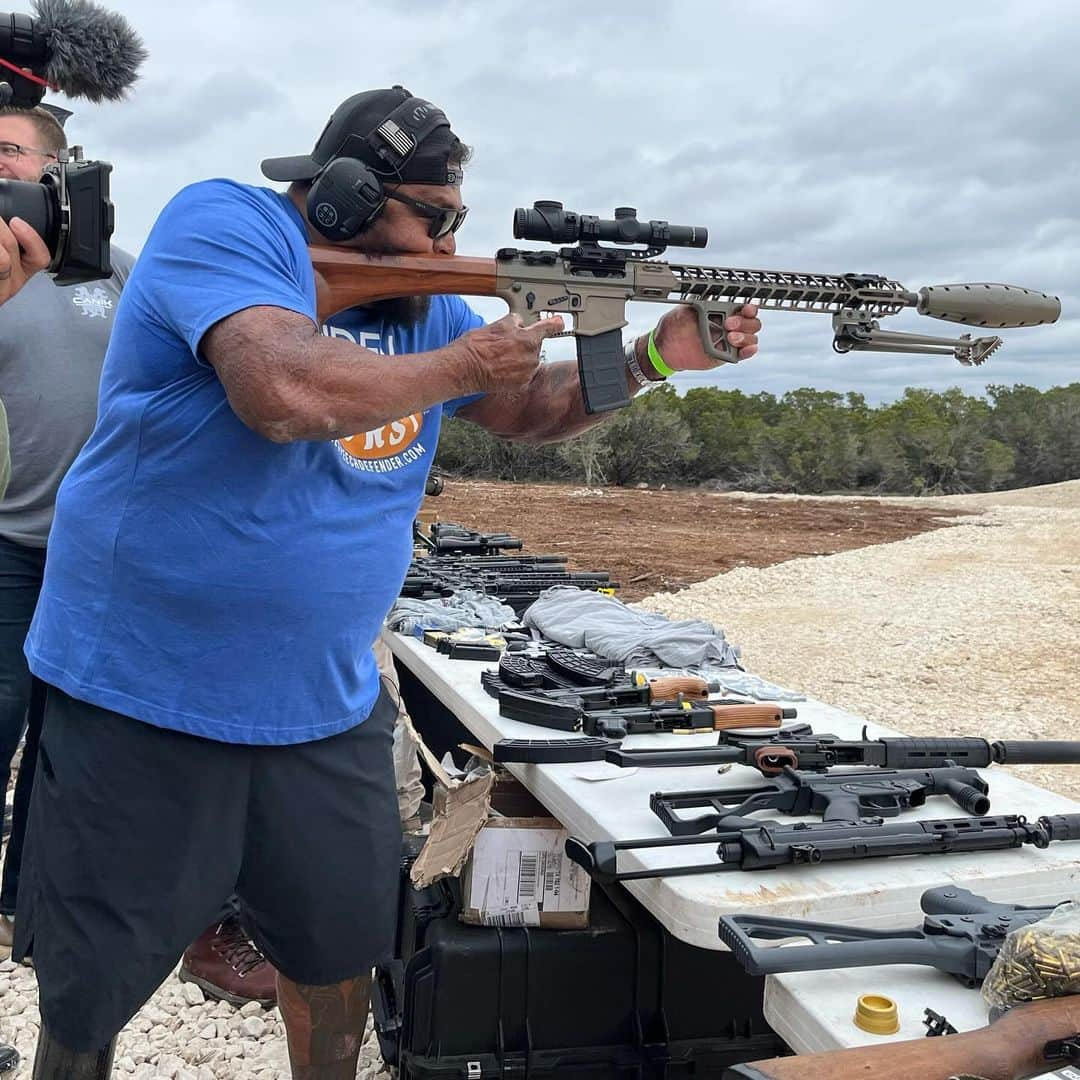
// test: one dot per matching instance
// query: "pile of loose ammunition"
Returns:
(1037, 961)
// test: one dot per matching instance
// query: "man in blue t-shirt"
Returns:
(224, 551)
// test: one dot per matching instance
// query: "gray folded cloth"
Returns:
(467, 607)
(607, 627)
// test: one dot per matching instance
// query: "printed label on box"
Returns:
(517, 874)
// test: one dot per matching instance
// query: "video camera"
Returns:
(77, 47)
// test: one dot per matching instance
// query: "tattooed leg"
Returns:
(325, 1026)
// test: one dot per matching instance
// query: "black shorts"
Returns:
(137, 835)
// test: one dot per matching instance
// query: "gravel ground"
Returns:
(967, 630)
(970, 629)
(177, 1034)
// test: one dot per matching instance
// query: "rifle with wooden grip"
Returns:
(592, 282)
(1025, 1042)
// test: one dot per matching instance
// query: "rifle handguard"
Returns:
(733, 717)
(673, 687)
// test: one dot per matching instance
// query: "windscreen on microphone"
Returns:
(93, 53)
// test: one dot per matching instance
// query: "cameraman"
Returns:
(22, 252)
(52, 345)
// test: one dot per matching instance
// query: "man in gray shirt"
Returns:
(52, 344)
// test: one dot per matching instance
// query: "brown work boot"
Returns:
(225, 963)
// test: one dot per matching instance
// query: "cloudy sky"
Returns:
(931, 142)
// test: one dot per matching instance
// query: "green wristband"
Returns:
(656, 359)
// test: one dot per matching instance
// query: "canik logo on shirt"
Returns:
(95, 304)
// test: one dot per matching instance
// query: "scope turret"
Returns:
(549, 222)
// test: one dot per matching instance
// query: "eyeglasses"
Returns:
(13, 151)
(444, 219)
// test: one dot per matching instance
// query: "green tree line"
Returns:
(806, 441)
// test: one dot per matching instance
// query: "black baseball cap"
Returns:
(401, 137)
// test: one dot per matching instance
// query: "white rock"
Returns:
(254, 1026)
(193, 994)
(209, 1031)
(251, 1008)
(126, 1064)
(169, 1065)
(155, 1014)
(140, 1049)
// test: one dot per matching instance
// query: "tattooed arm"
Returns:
(550, 406)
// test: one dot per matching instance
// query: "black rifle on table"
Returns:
(516, 583)
(769, 845)
(637, 705)
(672, 717)
(837, 797)
(961, 935)
(446, 538)
(800, 748)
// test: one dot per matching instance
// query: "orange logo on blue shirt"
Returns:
(386, 441)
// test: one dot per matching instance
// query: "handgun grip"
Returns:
(707, 310)
(602, 370)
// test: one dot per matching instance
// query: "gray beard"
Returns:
(402, 311)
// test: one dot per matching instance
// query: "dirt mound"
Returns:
(1063, 496)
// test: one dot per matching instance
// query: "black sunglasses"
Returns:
(443, 219)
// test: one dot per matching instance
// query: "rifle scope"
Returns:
(548, 221)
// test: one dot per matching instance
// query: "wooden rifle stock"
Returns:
(345, 279)
(1012, 1048)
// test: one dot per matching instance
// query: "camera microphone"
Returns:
(74, 46)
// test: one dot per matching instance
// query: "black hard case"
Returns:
(621, 999)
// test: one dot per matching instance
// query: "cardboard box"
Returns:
(488, 828)
(518, 875)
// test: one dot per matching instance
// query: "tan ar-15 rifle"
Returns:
(592, 283)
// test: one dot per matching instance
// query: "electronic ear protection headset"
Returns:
(347, 194)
